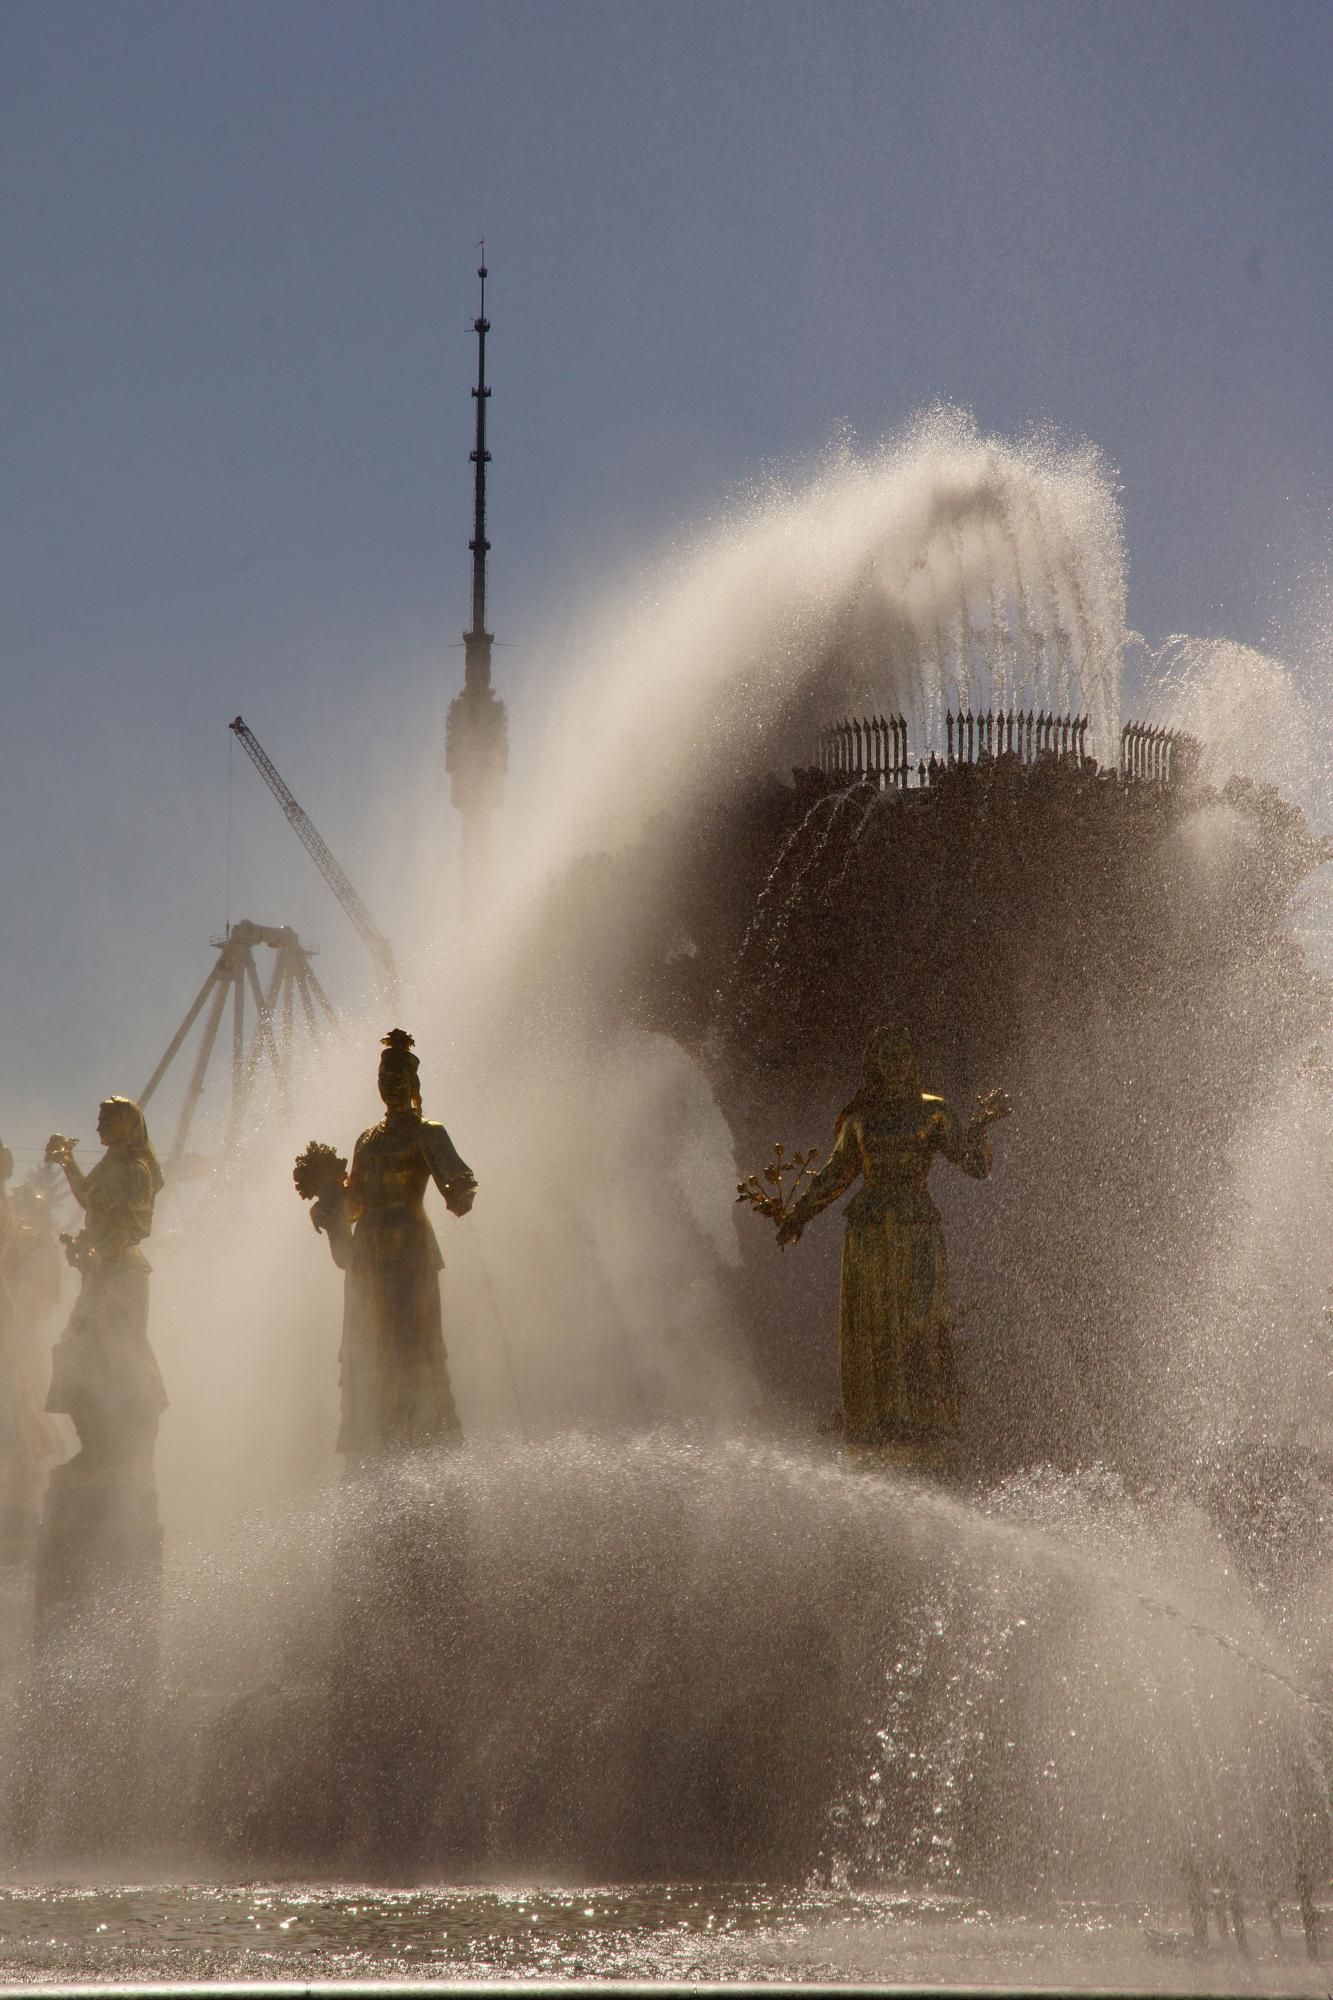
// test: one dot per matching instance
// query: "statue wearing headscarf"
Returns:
(394, 1375)
(104, 1375)
(899, 1374)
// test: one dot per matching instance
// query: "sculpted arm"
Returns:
(60, 1153)
(334, 1212)
(968, 1146)
(450, 1172)
(834, 1177)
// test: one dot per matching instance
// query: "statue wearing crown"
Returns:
(394, 1375)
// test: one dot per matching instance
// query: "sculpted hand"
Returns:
(459, 1196)
(79, 1253)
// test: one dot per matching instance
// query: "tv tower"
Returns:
(476, 744)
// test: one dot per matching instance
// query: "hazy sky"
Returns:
(239, 248)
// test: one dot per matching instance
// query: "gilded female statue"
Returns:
(25, 1440)
(104, 1375)
(899, 1374)
(394, 1376)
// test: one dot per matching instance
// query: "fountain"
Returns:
(648, 1645)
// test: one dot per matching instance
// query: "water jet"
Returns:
(667, 1638)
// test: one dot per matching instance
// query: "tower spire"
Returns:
(476, 750)
(478, 640)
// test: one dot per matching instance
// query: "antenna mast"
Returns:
(479, 639)
(477, 738)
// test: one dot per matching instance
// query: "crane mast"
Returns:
(381, 951)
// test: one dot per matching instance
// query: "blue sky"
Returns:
(239, 245)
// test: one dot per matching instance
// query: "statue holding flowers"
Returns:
(900, 1384)
(394, 1375)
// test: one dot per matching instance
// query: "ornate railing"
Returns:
(874, 750)
(1158, 756)
(871, 749)
(1013, 733)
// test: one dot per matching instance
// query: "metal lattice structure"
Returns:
(291, 998)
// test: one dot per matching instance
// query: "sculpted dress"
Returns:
(899, 1375)
(394, 1376)
(104, 1374)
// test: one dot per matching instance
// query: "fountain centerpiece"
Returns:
(646, 1622)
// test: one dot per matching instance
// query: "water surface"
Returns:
(684, 1931)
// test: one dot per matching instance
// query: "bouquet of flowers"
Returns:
(769, 1194)
(320, 1174)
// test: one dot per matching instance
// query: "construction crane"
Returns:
(381, 951)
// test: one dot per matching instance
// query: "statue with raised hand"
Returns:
(104, 1375)
(899, 1373)
(394, 1375)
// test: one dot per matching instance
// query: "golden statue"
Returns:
(25, 1437)
(35, 1274)
(104, 1375)
(899, 1375)
(394, 1376)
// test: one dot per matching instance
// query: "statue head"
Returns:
(120, 1122)
(30, 1205)
(398, 1074)
(890, 1063)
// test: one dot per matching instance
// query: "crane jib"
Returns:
(381, 951)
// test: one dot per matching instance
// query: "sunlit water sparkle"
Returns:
(1146, 1694)
(657, 1931)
